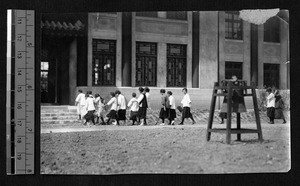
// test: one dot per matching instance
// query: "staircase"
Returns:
(59, 114)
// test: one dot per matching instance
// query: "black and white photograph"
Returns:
(165, 92)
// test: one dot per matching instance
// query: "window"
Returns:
(271, 75)
(44, 76)
(147, 14)
(180, 15)
(233, 68)
(176, 65)
(146, 62)
(272, 30)
(233, 26)
(104, 62)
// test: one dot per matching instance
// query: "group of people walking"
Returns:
(91, 107)
(275, 105)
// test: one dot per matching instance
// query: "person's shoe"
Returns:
(180, 123)
(271, 122)
(222, 122)
(162, 124)
(142, 124)
(284, 122)
(173, 122)
(193, 122)
(114, 123)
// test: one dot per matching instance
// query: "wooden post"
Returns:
(211, 112)
(229, 110)
(260, 137)
(238, 125)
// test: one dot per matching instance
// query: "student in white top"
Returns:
(134, 108)
(99, 104)
(80, 103)
(270, 105)
(147, 90)
(112, 115)
(172, 114)
(121, 107)
(90, 107)
(186, 104)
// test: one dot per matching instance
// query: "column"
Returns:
(284, 31)
(90, 51)
(189, 71)
(119, 50)
(208, 49)
(221, 45)
(161, 64)
(254, 53)
(260, 49)
(247, 54)
(195, 50)
(133, 51)
(73, 71)
(126, 48)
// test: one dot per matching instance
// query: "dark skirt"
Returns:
(112, 114)
(89, 115)
(172, 114)
(238, 104)
(163, 113)
(279, 114)
(186, 112)
(122, 114)
(142, 112)
(133, 115)
(271, 112)
(223, 115)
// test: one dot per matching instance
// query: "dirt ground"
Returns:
(166, 149)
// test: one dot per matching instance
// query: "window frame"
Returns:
(102, 56)
(230, 22)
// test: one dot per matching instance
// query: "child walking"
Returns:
(279, 106)
(100, 107)
(270, 105)
(134, 108)
(90, 109)
(172, 111)
(112, 115)
(143, 105)
(164, 108)
(121, 107)
(186, 107)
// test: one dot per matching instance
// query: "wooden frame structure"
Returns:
(238, 130)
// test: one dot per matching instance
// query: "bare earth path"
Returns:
(74, 149)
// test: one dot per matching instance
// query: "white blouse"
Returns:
(113, 102)
(172, 102)
(133, 104)
(271, 100)
(186, 101)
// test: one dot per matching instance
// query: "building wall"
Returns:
(214, 50)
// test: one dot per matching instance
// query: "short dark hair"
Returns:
(147, 89)
(89, 92)
(134, 94)
(112, 94)
(97, 95)
(162, 91)
(169, 92)
(141, 89)
(269, 89)
(117, 92)
(185, 89)
(80, 90)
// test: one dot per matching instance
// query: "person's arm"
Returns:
(129, 103)
(140, 98)
(110, 101)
